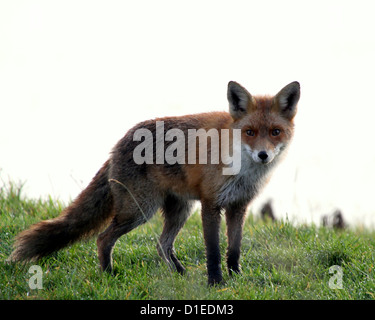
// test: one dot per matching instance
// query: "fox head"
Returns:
(266, 122)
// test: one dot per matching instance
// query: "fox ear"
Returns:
(239, 99)
(287, 100)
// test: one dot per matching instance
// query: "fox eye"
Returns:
(275, 132)
(250, 133)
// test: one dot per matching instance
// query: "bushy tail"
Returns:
(82, 219)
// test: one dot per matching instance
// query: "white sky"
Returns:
(76, 75)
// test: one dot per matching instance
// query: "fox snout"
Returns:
(263, 156)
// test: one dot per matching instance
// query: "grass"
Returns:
(279, 261)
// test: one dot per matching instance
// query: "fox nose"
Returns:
(263, 155)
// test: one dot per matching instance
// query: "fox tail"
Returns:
(84, 218)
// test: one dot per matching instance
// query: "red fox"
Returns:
(127, 191)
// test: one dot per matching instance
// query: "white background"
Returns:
(76, 75)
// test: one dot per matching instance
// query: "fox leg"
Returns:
(176, 211)
(211, 230)
(128, 215)
(235, 216)
(107, 240)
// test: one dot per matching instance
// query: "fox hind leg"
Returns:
(128, 215)
(107, 240)
(176, 211)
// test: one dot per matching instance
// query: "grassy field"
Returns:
(279, 261)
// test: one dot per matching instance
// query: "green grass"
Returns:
(279, 261)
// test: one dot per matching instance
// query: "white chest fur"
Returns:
(244, 186)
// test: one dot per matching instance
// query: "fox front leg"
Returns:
(235, 216)
(211, 231)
